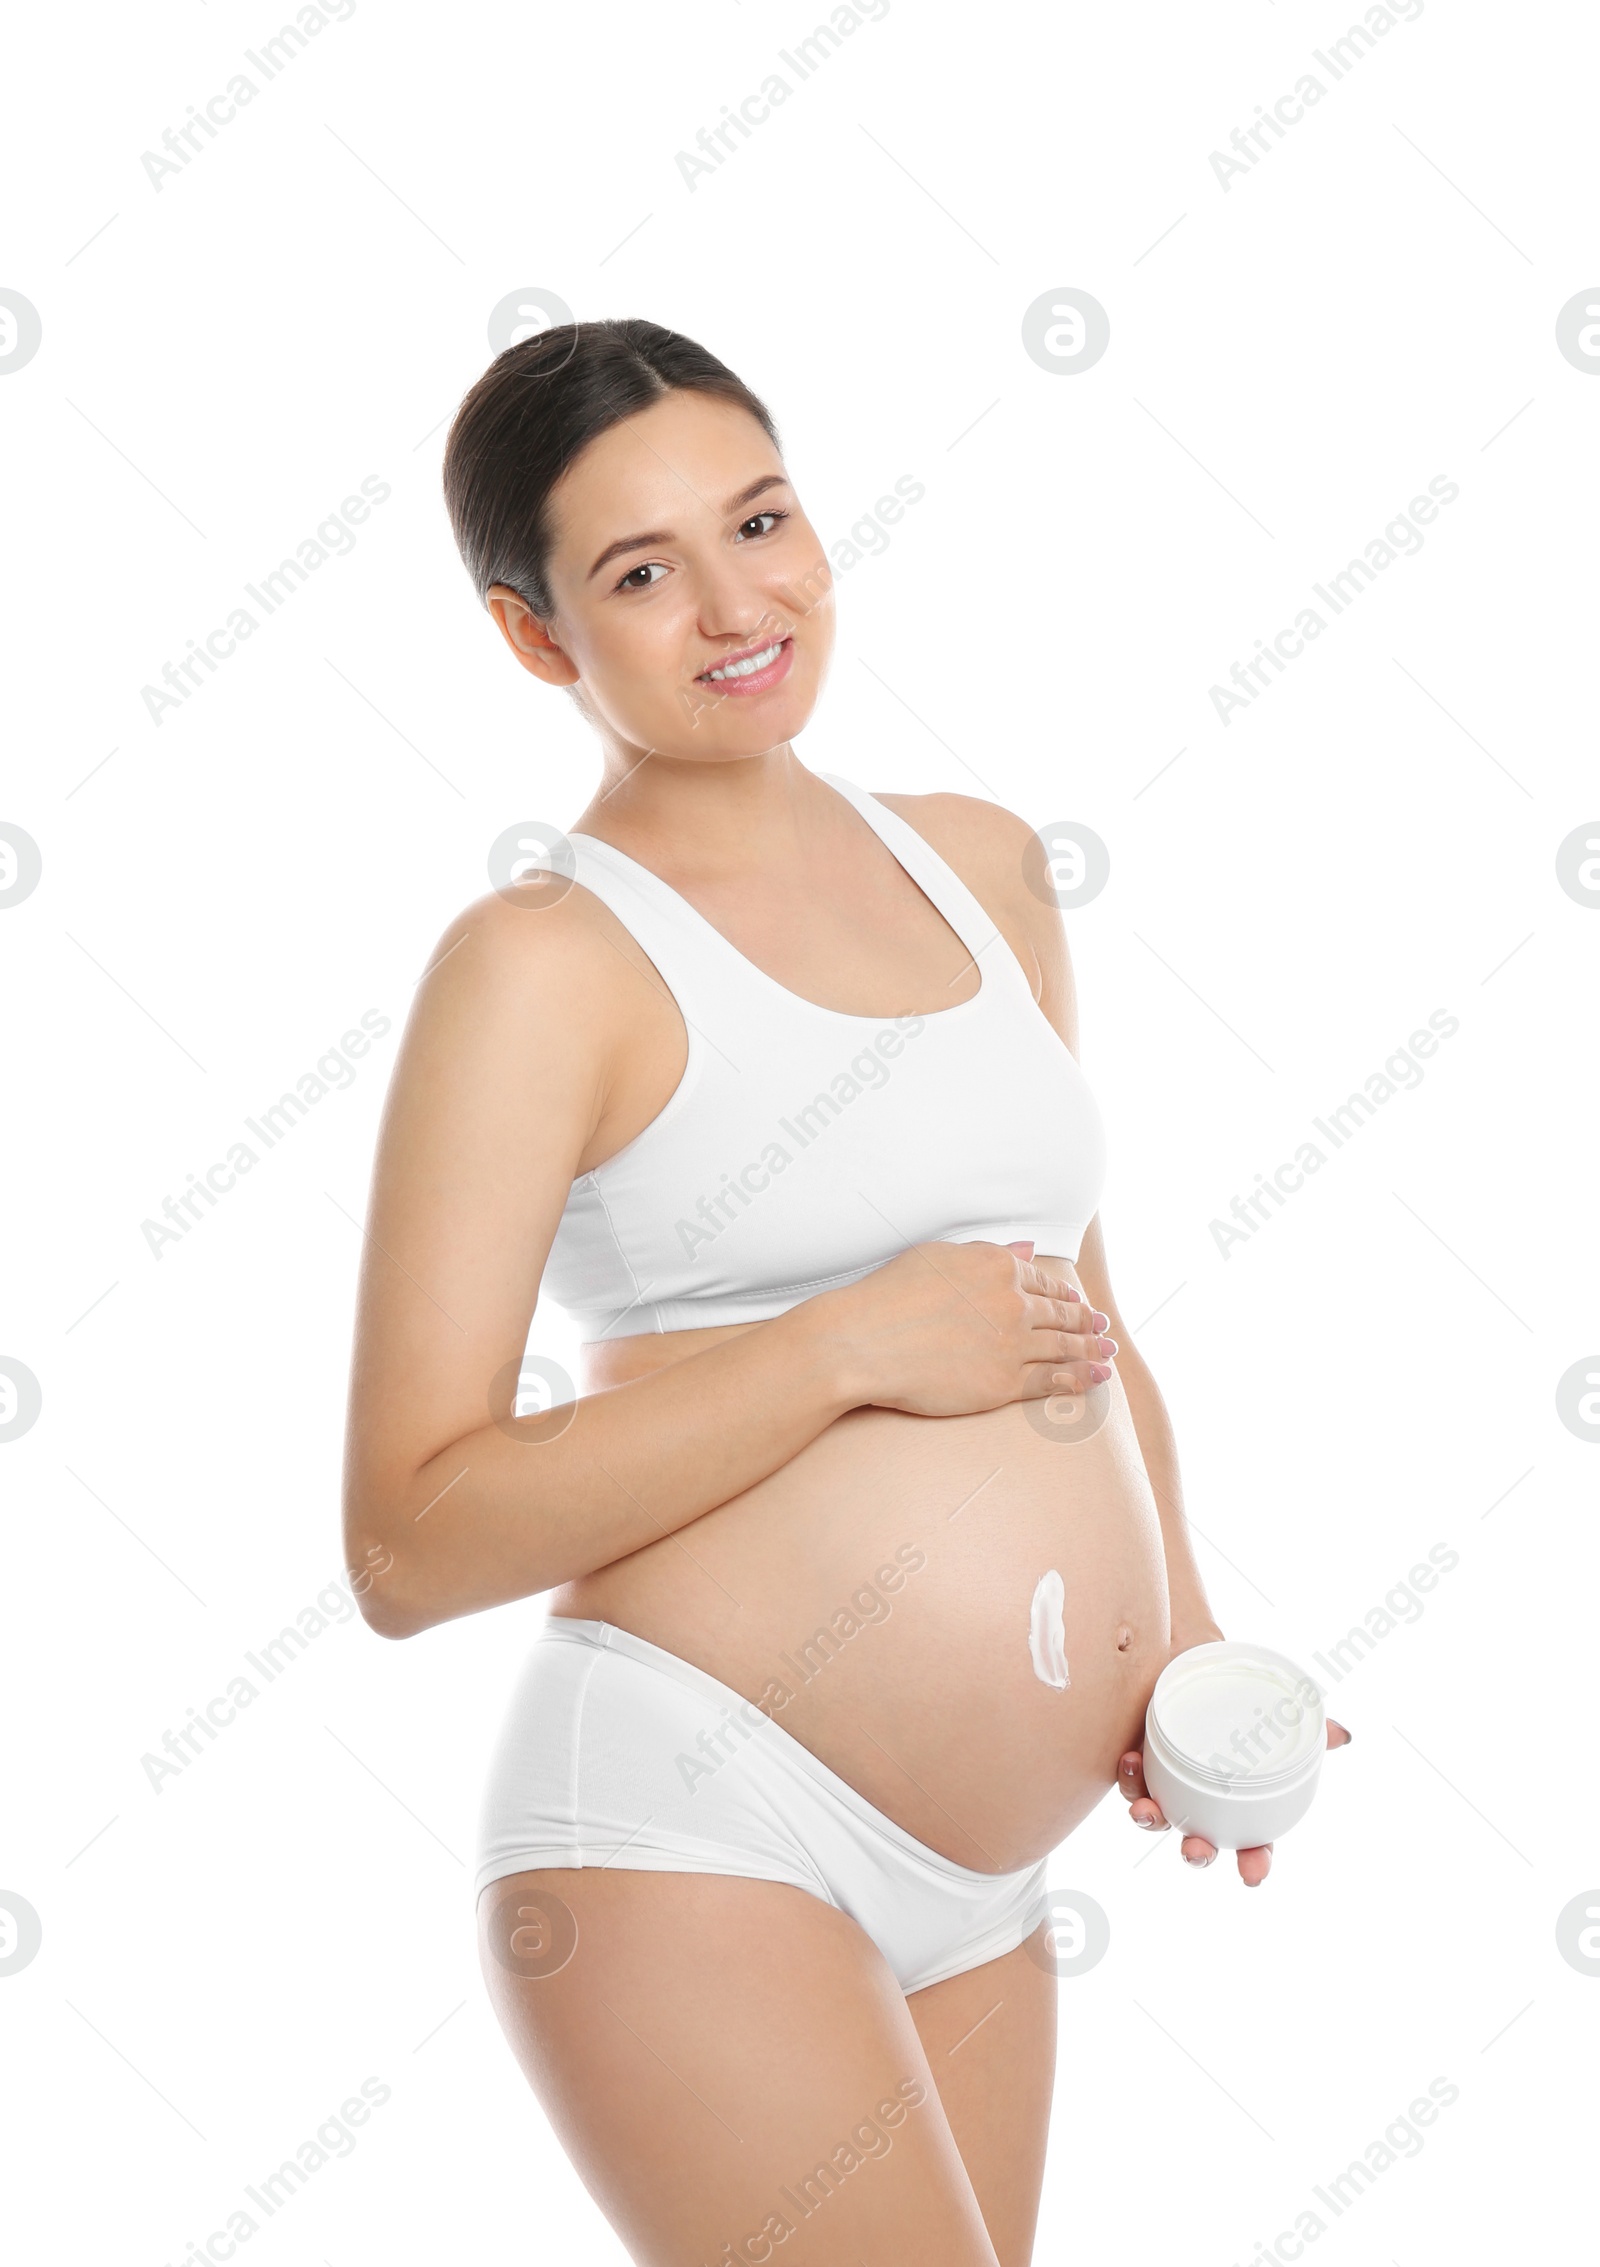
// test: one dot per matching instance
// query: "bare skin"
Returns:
(732, 2069)
(753, 1461)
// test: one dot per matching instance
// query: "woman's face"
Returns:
(679, 549)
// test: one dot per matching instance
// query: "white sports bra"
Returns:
(804, 1147)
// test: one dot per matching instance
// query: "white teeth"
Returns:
(746, 668)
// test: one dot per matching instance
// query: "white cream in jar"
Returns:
(1234, 1740)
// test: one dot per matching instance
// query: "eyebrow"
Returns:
(656, 535)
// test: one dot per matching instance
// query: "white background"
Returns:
(1372, 1373)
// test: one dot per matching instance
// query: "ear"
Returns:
(528, 637)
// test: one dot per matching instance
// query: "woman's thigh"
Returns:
(734, 2071)
(990, 2039)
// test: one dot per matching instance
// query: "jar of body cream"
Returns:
(1233, 1741)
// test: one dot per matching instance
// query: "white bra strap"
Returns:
(937, 881)
(661, 923)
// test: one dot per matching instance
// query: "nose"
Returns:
(736, 604)
(743, 621)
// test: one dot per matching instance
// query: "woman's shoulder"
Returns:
(548, 951)
(982, 842)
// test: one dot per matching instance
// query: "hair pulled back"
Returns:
(534, 411)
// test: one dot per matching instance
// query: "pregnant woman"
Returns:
(863, 1555)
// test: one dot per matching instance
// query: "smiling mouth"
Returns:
(743, 664)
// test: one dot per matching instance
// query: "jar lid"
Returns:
(1232, 1714)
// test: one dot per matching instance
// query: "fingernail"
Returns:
(1188, 1861)
(1100, 1371)
(1108, 1346)
(1098, 1321)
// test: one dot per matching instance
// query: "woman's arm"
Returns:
(1192, 1620)
(987, 847)
(993, 850)
(525, 1031)
(501, 1090)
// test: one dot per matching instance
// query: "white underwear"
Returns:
(615, 1752)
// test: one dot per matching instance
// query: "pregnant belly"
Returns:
(962, 1616)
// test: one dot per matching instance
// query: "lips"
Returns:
(746, 679)
(744, 654)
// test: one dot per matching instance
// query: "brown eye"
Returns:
(755, 523)
(649, 568)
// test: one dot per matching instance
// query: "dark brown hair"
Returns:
(534, 410)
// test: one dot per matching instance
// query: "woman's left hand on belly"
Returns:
(1254, 1864)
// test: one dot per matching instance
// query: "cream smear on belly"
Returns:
(1047, 1631)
